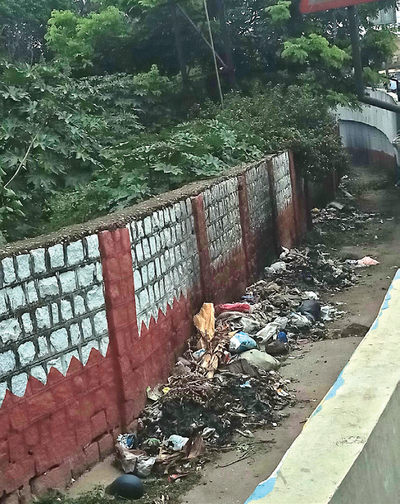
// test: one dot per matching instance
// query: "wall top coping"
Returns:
(122, 217)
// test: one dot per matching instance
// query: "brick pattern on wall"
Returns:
(165, 259)
(283, 187)
(259, 201)
(51, 309)
(221, 206)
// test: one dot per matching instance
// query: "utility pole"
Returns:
(179, 48)
(226, 41)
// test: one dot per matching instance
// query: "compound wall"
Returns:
(92, 316)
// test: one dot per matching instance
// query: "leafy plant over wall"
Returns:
(69, 126)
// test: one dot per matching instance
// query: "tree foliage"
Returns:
(80, 40)
(94, 116)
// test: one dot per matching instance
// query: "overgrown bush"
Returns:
(56, 132)
(73, 149)
(245, 130)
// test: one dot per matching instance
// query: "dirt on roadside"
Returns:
(230, 477)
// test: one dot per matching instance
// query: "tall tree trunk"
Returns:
(179, 48)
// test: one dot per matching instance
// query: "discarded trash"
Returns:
(213, 347)
(174, 477)
(129, 459)
(151, 445)
(199, 354)
(240, 322)
(277, 347)
(247, 433)
(261, 360)
(144, 466)
(326, 313)
(248, 298)
(213, 393)
(241, 342)
(282, 336)
(277, 267)
(126, 486)
(246, 385)
(238, 307)
(284, 253)
(268, 333)
(208, 433)
(242, 367)
(310, 295)
(194, 447)
(205, 321)
(336, 204)
(128, 440)
(300, 321)
(248, 325)
(366, 261)
(311, 307)
(176, 443)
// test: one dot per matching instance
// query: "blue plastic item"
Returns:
(241, 342)
(282, 337)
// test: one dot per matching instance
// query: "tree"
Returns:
(84, 41)
(23, 26)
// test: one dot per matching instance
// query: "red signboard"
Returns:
(307, 6)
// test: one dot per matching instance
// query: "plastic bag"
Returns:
(366, 261)
(282, 336)
(311, 307)
(176, 442)
(199, 354)
(300, 321)
(261, 359)
(270, 331)
(144, 466)
(241, 342)
(326, 312)
(238, 307)
(277, 267)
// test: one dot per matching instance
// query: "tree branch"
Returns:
(22, 163)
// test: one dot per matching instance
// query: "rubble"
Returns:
(348, 218)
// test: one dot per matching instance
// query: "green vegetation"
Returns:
(104, 103)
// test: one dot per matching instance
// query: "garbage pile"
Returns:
(223, 385)
(339, 217)
(312, 267)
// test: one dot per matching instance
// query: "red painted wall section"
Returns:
(60, 429)
(287, 220)
(364, 156)
(146, 358)
(206, 277)
(115, 252)
(247, 238)
(259, 243)
(229, 278)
